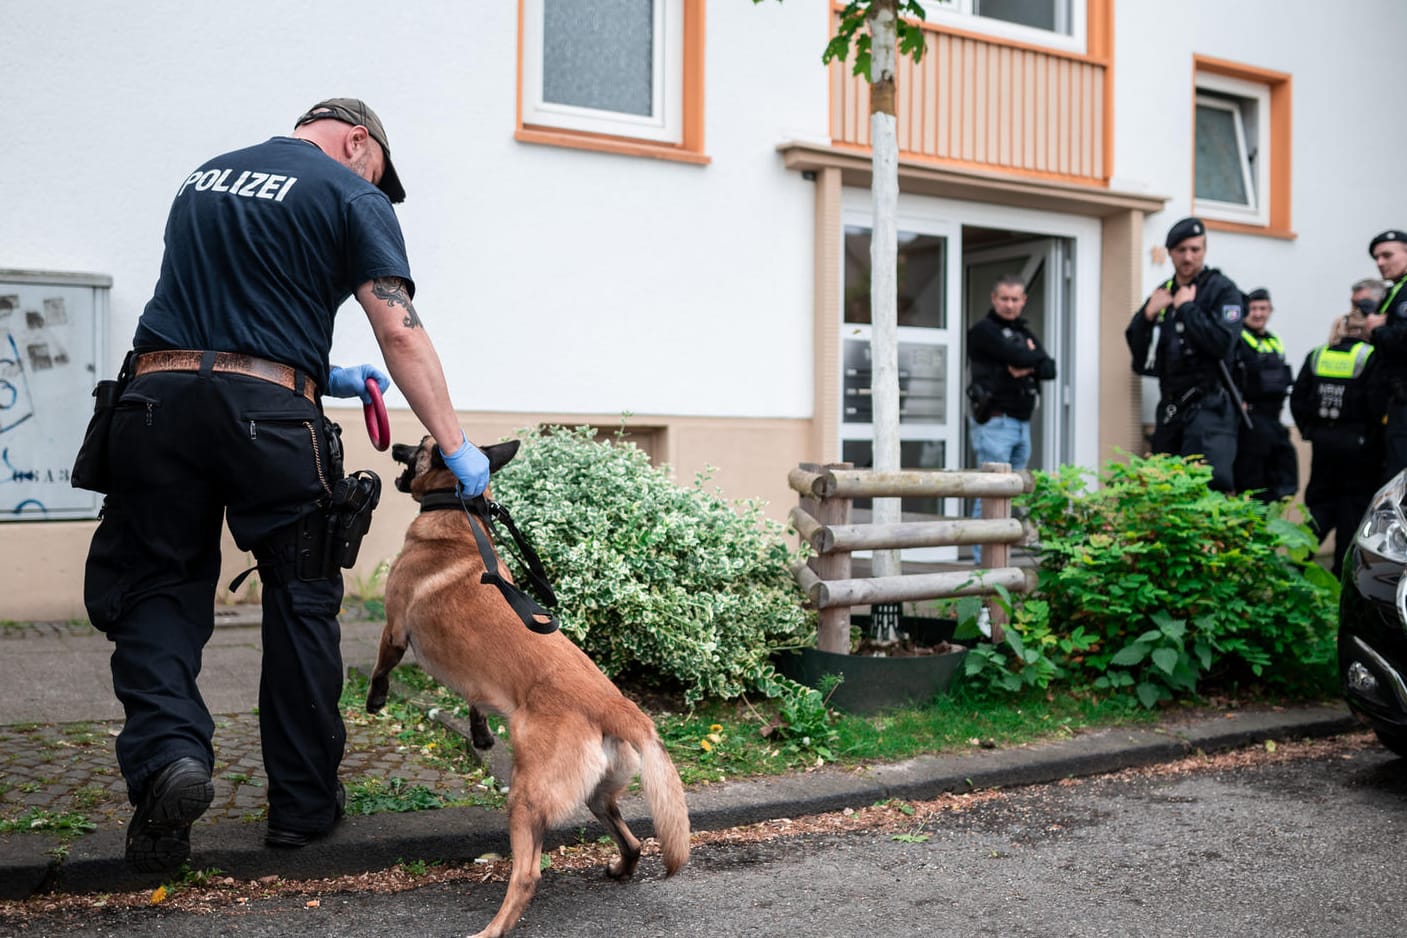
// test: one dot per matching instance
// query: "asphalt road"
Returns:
(1269, 846)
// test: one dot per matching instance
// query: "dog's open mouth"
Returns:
(407, 455)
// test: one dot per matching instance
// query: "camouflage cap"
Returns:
(355, 112)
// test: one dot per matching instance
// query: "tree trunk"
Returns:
(884, 317)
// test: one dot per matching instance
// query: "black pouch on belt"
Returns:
(90, 467)
(328, 540)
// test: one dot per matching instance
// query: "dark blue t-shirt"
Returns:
(262, 246)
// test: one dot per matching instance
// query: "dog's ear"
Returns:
(500, 454)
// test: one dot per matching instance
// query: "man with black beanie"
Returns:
(1387, 331)
(1183, 334)
(1266, 464)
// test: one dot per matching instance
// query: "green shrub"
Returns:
(666, 584)
(1155, 586)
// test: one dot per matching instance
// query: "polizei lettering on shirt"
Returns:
(248, 184)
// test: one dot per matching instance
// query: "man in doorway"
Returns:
(1007, 364)
(1183, 335)
(1387, 331)
(1266, 464)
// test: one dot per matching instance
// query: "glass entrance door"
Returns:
(1043, 265)
(930, 363)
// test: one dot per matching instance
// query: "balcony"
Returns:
(983, 103)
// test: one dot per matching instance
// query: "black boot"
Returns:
(159, 837)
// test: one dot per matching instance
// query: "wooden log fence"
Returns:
(822, 520)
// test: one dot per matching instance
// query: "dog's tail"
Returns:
(665, 794)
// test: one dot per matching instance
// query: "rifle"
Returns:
(1234, 392)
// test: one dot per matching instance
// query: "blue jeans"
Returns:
(1001, 439)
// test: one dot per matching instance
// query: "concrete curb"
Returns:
(29, 863)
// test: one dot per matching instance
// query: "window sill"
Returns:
(1264, 231)
(622, 146)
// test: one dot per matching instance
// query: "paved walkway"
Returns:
(59, 720)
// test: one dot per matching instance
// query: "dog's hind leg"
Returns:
(604, 805)
(392, 650)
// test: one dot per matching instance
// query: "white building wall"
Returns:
(1346, 143)
(552, 280)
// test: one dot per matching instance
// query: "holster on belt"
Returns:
(328, 540)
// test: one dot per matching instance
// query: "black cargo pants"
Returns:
(187, 450)
(1206, 427)
(1266, 462)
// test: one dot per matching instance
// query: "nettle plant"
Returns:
(662, 583)
(1154, 586)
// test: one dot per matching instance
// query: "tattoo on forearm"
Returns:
(392, 291)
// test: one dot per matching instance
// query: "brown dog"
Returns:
(575, 738)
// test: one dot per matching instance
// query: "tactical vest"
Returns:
(1338, 394)
(1177, 361)
(1268, 376)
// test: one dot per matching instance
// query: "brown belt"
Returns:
(227, 362)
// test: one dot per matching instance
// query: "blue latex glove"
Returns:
(351, 381)
(469, 465)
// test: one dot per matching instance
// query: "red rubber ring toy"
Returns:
(378, 425)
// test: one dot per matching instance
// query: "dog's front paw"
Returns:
(376, 694)
(479, 730)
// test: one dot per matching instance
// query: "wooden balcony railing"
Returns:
(986, 103)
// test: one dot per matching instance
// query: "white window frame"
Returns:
(664, 124)
(959, 15)
(1245, 94)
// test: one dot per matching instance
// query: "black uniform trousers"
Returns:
(1266, 463)
(1205, 427)
(1394, 440)
(1343, 475)
(186, 450)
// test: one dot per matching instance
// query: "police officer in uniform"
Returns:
(1007, 363)
(222, 421)
(1184, 334)
(1266, 464)
(1387, 330)
(1338, 403)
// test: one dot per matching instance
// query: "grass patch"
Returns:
(89, 796)
(718, 741)
(407, 724)
(958, 723)
(41, 820)
(375, 795)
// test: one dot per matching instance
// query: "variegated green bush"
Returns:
(666, 584)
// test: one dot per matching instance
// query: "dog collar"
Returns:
(441, 500)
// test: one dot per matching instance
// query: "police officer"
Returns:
(223, 421)
(1007, 363)
(1266, 464)
(1387, 330)
(1184, 334)
(1337, 403)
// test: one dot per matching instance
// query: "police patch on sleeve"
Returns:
(1231, 312)
(1402, 310)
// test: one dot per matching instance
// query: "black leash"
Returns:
(534, 616)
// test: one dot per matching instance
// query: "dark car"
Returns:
(1373, 618)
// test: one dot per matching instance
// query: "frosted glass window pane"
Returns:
(599, 55)
(1219, 175)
